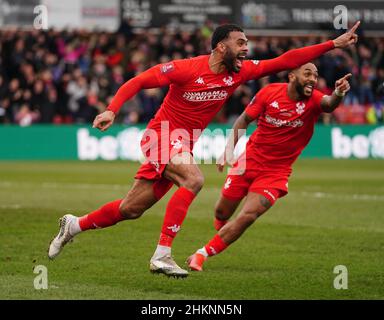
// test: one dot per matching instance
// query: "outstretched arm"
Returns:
(295, 58)
(146, 80)
(330, 103)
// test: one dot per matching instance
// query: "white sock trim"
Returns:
(74, 227)
(203, 252)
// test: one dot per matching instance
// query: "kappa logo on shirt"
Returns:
(300, 107)
(256, 62)
(275, 105)
(200, 80)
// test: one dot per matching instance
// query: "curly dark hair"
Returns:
(222, 32)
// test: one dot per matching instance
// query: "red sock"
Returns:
(218, 224)
(108, 215)
(174, 215)
(215, 246)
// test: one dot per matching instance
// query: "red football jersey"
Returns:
(284, 126)
(195, 93)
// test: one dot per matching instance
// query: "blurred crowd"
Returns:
(67, 77)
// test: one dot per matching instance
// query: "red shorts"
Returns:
(158, 147)
(272, 184)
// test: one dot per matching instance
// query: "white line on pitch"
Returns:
(10, 206)
(316, 194)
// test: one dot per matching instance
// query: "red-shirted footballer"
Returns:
(286, 115)
(198, 88)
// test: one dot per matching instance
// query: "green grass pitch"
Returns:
(333, 215)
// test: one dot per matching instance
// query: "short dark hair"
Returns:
(222, 32)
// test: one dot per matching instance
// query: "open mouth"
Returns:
(308, 87)
(239, 60)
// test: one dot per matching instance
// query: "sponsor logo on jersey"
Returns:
(280, 123)
(275, 105)
(205, 95)
(228, 81)
(300, 107)
(200, 80)
(175, 228)
(167, 67)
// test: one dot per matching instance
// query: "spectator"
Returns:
(25, 116)
(237, 103)
(68, 76)
(125, 28)
(150, 101)
(77, 90)
(48, 108)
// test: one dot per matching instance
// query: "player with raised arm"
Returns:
(198, 88)
(286, 114)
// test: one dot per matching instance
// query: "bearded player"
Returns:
(286, 113)
(198, 88)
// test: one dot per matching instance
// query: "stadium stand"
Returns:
(64, 77)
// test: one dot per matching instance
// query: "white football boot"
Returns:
(168, 266)
(63, 237)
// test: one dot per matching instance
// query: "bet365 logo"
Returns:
(358, 145)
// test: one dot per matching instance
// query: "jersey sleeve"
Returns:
(316, 98)
(252, 69)
(158, 76)
(290, 60)
(256, 106)
(177, 71)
